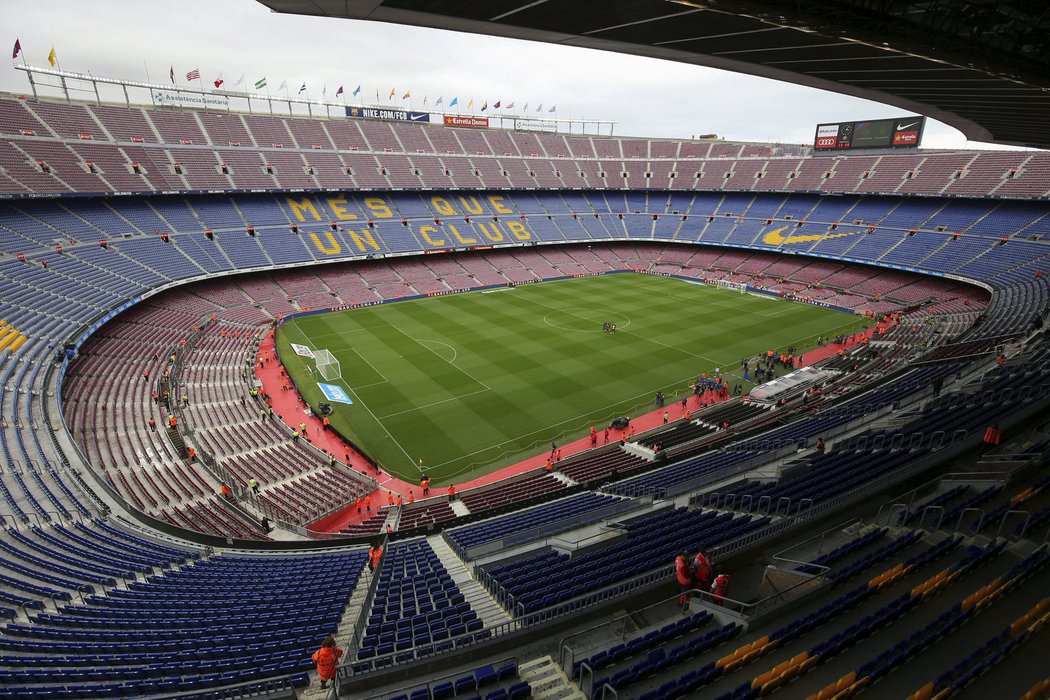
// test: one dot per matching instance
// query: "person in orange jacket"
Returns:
(326, 658)
(451, 492)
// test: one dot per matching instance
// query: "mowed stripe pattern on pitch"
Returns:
(468, 380)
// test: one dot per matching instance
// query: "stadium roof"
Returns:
(982, 66)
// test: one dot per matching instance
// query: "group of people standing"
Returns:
(696, 572)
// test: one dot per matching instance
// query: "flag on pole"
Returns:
(486, 105)
(302, 88)
(440, 101)
(283, 85)
(510, 106)
(52, 57)
(454, 102)
(540, 108)
(526, 107)
(17, 49)
(260, 83)
(239, 82)
(406, 95)
(339, 91)
(470, 105)
(218, 81)
(392, 93)
(194, 74)
(424, 99)
(357, 91)
(324, 91)
(171, 74)
(495, 106)
(553, 109)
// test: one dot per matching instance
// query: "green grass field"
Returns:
(472, 382)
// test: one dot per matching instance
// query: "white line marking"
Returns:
(385, 380)
(359, 401)
(435, 403)
(454, 353)
(366, 386)
(546, 319)
(642, 337)
(342, 333)
(548, 427)
(465, 372)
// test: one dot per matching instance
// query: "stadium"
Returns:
(466, 392)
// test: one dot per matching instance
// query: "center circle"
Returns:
(580, 320)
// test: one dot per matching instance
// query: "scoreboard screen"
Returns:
(903, 132)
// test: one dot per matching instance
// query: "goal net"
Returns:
(327, 365)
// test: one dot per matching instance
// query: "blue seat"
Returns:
(465, 684)
(484, 676)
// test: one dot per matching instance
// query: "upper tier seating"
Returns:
(131, 148)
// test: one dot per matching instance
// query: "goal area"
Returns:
(327, 365)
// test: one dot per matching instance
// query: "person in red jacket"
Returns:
(702, 570)
(683, 571)
(326, 658)
(720, 587)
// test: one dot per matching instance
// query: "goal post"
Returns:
(327, 365)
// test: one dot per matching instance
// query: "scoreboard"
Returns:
(903, 132)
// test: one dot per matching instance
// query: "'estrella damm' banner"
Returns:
(475, 122)
(393, 114)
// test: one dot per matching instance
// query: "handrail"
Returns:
(354, 643)
(564, 642)
(433, 680)
(819, 536)
(1024, 524)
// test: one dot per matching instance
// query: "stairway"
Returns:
(548, 680)
(176, 441)
(354, 610)
(489, 611)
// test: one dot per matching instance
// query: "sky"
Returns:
(133, 39)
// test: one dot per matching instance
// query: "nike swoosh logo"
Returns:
(902, 127)
(777, 237)
(419, 117)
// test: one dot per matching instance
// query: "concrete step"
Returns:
(548, 680)
(563, 479)
(481, 601)
(459, 508)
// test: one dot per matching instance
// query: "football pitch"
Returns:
(472, 382)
